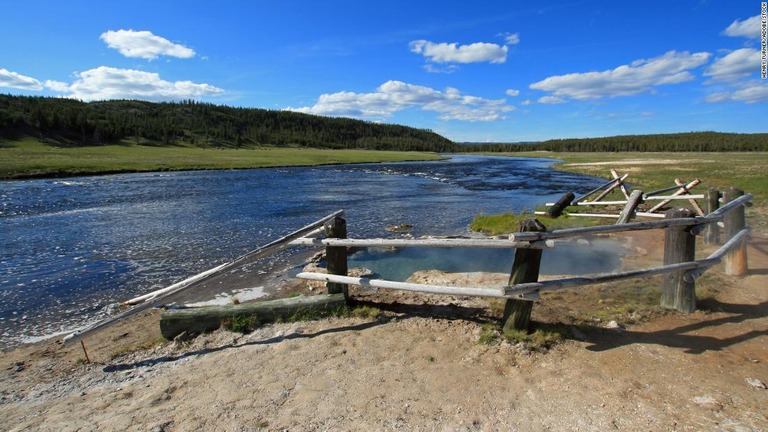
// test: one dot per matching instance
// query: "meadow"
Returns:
(32, 159)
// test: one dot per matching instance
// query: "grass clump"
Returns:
(540, 339)
(241, 323)
(505, 223)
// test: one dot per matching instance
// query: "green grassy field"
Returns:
(650, 171)
(29, 159)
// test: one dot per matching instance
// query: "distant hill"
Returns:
(68, 122)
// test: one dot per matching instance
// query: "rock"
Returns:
(613, 325)
(756, 383)
(708, 402)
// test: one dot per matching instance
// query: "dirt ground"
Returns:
(418, 366)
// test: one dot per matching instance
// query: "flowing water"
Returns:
(71, 247)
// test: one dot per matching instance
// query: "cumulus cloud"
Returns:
(737, 64)
(479, 52)
(18, 81)
(394, 96)
(144, 44)
(641, 76)
(512, 92)
(749, 28)
(110, 83)
(749, 92)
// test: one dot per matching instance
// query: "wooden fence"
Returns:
(680, 225)
(632, 201)
(523, 289)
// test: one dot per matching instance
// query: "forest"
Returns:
(71, 123)
(65, 122)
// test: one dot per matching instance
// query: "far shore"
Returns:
(33, 160)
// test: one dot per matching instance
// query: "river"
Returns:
(72, 247)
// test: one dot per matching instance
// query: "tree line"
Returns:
(678, 142)
(69, 122)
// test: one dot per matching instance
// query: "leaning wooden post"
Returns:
(525, 268)
(712, 230)
(336, 256)
(679, 291)
(631, 207)
(564, 201)
(735, 221)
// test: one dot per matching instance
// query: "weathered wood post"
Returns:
(336, 256)
(564, 201)
(735, 221)
(712, 230)
(629, 210)
(525, 268)
(678, 291)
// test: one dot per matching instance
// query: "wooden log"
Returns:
(204, 319)
(414, 287)
(602, 186)
(679, 291)
(629, 210)
(525, 268)
(619, 183)
(336, 256)
(735, 221)
(623, 186)
(557, 209)
(682, 191)
(693, 202)
(489, 243)
(712, 231)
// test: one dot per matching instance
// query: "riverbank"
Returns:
(31, 159)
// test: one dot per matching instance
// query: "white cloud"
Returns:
(18, 81)
(394, 96)
(431, 68)
(750, 92)
(640, 76)
(478, 52)
(551, 100)
(512, 92)
(737, 64)
(57, 86)
(749, 28)
(512, 38)
(144, 44)
(110, 83)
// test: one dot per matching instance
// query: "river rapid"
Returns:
(73, 247)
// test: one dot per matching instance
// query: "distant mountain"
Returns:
(69, 122)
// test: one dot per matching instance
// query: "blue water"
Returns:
(72, 246)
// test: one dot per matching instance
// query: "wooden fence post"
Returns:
(564, 201)
(629, 210)
(525, 268)
(679, 291)
(735, 221)
(336, 256)
(712, 230)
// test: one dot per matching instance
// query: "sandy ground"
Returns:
(418, 366)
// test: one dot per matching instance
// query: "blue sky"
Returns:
(472, 71)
